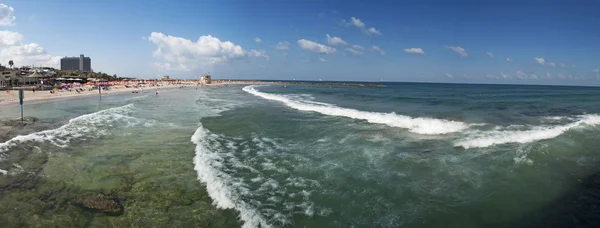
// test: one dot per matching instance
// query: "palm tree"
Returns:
(11, 63)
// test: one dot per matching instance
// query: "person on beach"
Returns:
(156, 93)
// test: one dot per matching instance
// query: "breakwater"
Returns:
(263, 82)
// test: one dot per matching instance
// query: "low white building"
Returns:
(6, 76)
(205, 79)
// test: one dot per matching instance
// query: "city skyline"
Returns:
(435, 41)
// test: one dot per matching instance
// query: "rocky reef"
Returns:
(100, 202)
(33, 196)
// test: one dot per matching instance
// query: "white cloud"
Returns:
(459, 50)
(354, 52)
(322, 60)
(564, 65)
(548, 75)
(561, 76)
(282, 45)
(9, 38)
(183, 54)
(361, 25)
(13, 48)
(533, 76)
(448, 75)
(377, 49)
(316, 47)
(335, 40)
(521, 75)
(356, 22)
(508, 60)
(358, 47)
(7, 17)
(505, 76)
(259, 53)
(597, 70)
(414, 51)
(258, 40)
(491, 55)
(373, 31)
(540, 61)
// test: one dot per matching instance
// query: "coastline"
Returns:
(12, 98)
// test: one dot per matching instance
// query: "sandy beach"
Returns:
(12, 97)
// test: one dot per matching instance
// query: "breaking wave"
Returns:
(419, 125)
(82, 127)
(220, 185)
(252, 176)
(481, 139)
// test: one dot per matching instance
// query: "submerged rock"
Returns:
(17, 122)
(99, 202)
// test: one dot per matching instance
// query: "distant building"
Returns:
(205, 79)
(164, 78)
(80, 63)
(6, 76)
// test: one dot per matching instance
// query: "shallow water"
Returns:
(415, 155)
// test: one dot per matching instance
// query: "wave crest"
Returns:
(419, 125)
(84, 126)
(481, 139)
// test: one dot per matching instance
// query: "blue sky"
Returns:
(422, 40)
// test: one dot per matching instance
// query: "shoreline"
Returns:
(44, 96)
(12, 98)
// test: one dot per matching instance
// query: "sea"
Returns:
(401, 155)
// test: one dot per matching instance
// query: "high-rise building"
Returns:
(80, 63)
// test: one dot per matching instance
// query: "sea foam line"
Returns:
(481, 139)
(419, 125)
(220, 185)
(81, 126)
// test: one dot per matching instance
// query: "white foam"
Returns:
(419, 125)
(82, 126)
(220, 185)
(3, 172)
(481, 139)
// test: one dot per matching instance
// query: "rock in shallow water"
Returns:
(100, 203)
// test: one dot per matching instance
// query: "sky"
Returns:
(464, 41)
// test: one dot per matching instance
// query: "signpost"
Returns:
(21, 96)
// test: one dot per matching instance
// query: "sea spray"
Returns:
(419, 125)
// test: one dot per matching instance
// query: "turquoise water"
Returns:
(413, 155)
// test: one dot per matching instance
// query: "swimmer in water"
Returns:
(156, 93)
